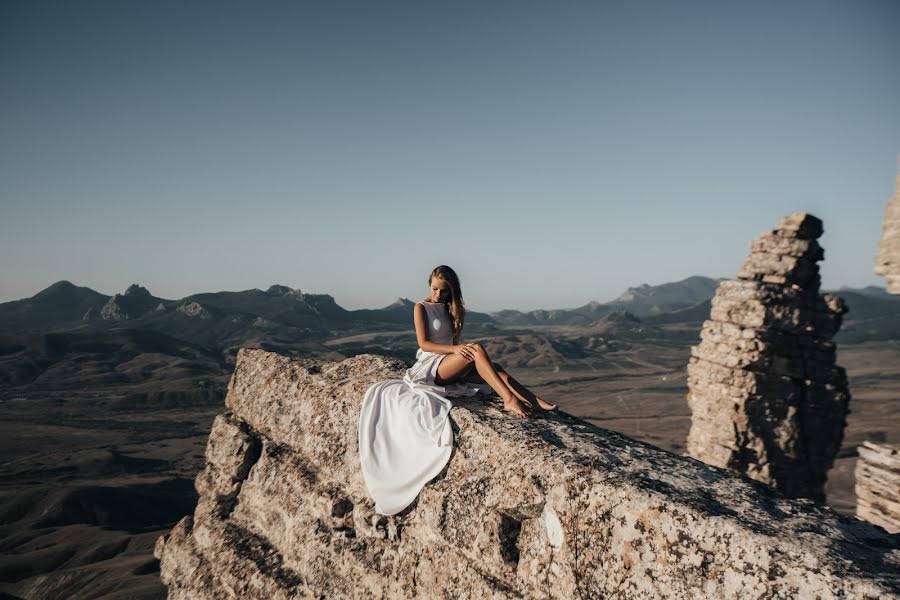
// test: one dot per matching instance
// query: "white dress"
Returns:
(405, 438)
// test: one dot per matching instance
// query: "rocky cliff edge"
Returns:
(551, 507)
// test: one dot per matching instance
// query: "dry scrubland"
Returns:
(90, 479)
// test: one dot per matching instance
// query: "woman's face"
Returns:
(440, 290)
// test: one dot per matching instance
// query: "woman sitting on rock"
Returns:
(405, 437)
(442, 361)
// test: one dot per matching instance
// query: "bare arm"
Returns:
(422, 334)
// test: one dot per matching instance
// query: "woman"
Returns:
(405, 438)
(441, 360)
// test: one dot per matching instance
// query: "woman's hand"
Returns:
(465, 351)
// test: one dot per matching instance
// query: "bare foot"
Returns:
(516, 407)
(545, 405)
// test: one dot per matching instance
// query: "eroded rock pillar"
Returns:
(766, 396)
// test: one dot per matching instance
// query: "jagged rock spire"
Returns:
(765, 394)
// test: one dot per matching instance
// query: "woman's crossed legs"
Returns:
(516, 397)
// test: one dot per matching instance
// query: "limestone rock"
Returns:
(195, 310)
(878, 467)
(766, 396)
(113, 311)
(878, 485)
(134, 303)
(550, 507)
(887, 263)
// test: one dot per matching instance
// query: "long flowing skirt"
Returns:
(405, 437)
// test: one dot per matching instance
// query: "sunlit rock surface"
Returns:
(878, 467)
(887, 263)
(878, 485)
(550, 507)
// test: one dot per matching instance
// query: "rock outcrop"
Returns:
(887, 262)
(113, 311)
(549, 507)
(878, 485)
(765, 394)
(134, 303)
(194, 310)
(878, 465)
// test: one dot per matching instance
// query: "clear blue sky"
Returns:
(552, 152)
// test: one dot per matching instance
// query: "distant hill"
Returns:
(872, 291)
(136, 302)
(647, 300)
(59, 304)
(399, 311)
(695, 314)
(871, 317)
(279, 315)
(619, 322)
(583, 315)
(123, 358)
(641, 301)
(282, 316)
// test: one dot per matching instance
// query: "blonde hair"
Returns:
(455, 306)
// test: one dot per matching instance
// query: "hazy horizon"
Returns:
(411, 298)
(553, 154)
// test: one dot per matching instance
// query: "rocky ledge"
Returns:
(550, 507)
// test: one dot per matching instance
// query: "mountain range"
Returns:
(64, 306)
(283, 315)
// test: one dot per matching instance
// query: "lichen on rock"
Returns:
(549, 507)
